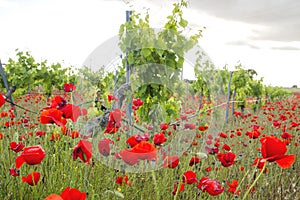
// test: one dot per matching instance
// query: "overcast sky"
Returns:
(260, 34)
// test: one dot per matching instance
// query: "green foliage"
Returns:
(27, 74)
(156, 58)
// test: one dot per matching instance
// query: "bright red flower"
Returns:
(114, 121)
(58, 102)
(144, 150)
(51, 116)
(227, 159)
(159, 138)
(40, 133)
(232, 186)
(123, 179)
(190, 126)
(135, 139)
(202, 128)
(223, 135)
(2, 100)
(210, 186)
(31, 155)
(75, 134)
(178, 189)
(259, 164)
(111, 97)
(104, 146)
(163, 126)
(72, 194)
(274, 149)
(132, 141)
(14, 172)
(129, 157)
(276, 124)
(189, 177)
(171, 161)
(69, 87)
(54, 197)
(16, 147)
(286, 135)
(137, 103)
(208, 169)
(32, 179)
(194, 160)
(83, 150)
(226, 147)
(71, 112)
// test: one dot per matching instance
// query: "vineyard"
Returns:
(144, 132)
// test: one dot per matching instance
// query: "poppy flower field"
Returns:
(144, 131)
(44, 156)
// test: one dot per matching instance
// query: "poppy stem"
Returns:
(253, 184)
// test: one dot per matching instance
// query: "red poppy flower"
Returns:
(72, 194)
(190, 126)
(129, 157)
(159, 138)
(202, 128)
(276, 124)
(32, 179)
(16, 147)
(51, 116)
(14, 172)
(75, 134)
(171, 162)
(2, 100)
(194, 160)
(31, 155)
(259, 164)
(122, 179)
(53, 197)
(69, 87)
(58, 102)
(210, 186)
(286, 135)
(132, 141)
(274, 149)
(226, 159)
(178, 189)
(104, 146)
(135, 139)
(208, 169)
(145, 150)
(253, 134)
(114, 121)
(226, 147)
(223, 135)
(189, 177)
(137, 102)
(83, 150)
(111, 97)
(40, 133)
(71, 112)
(232, 186)
(163, 126)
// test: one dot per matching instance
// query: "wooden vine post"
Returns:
(8, 91)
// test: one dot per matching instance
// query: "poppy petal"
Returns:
(19, 161)
(53, 197)
(272, 146)
(286, 161)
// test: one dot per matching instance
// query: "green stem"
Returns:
(156, 189)
(253, 184)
